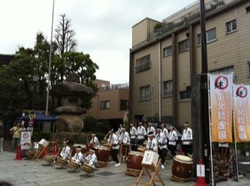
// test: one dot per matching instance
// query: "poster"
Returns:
(25, 139)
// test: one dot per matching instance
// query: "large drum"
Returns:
(182, 167)
(62, 162)
(102, 154)
(134, 160)
(141, 148)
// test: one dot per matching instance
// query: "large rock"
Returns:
(69, 123)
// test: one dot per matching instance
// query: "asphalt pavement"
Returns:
(31, 173)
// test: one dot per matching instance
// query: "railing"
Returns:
(167, 27)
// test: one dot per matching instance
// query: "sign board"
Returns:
(25, 140)
(150, 158)
(200, 170)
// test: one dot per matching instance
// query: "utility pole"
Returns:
(204, 92)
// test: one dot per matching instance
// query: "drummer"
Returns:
(114, 141)
(151, 142)
(133, 135)
(91, 159)
(141, 132)
(78, 156)
(66, 151)
(162, 145)
(94, 141)
(124, 141)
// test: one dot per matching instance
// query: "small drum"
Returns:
(141, 149)
(102, 154)
(134, 160)
(87, 168)
(182, 167)
(30, 154)
(62, 162)
(49, 159)
(73, 165)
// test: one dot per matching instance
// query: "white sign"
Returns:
(25, 140)
(200, 170)
(150, 158)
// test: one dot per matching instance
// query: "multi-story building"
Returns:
(166, 54)
(111, 103)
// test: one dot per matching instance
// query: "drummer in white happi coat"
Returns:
(151, 142)
(66, 151)
(133, 136)
(124, 141)
(162, 145)
(78, 156)
(94, 141)
(91, 159)
(141, 133)
(150, 128)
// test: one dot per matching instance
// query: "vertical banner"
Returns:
(221, 90)
(241, 113)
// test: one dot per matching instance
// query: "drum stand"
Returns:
(40, 151)
(155, 172)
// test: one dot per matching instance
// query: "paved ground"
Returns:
(31, 173)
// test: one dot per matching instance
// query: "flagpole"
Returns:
(50, 56)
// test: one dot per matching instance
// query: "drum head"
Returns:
(102, 148)
(136, 153)
(183, 158)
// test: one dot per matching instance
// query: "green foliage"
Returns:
(91, 125)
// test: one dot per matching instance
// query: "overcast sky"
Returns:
(103, 27)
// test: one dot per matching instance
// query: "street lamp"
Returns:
(50, 56)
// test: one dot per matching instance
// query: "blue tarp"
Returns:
(39, 117)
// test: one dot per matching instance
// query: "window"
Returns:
(143, 64)
(210, 34)
(231, 26)
(145, 93)
(185, 95)
(167, 51)
(105, 105)
(167, 88)
(124, 105)
(227, 70)
(183, 46)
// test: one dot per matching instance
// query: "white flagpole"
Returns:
(210, 134)
(50, 56)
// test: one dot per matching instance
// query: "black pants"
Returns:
(172, 148)
(162, 153)
(187, 149)
(140, 141)
(114, 154)
(133, 145)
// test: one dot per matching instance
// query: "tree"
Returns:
(65, 36)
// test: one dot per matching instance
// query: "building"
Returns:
(5, 59)
(166, 54)
(111, 102)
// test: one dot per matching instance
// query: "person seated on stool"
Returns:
(66, 151)
(78, 156)
(91, 159)
(94, 141)
(124, 141)
(151, 142)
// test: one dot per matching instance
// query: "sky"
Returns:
(103, 27)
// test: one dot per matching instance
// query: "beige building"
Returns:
(111, 102)
(166, 54)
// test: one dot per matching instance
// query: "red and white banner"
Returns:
(221, 88)
(241, 95)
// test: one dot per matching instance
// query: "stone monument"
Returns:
(69, 123)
